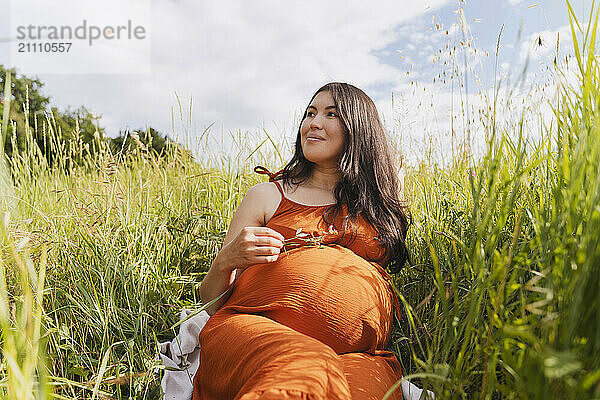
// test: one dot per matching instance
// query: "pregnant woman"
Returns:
(308, 305)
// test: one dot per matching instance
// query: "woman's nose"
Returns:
(316, 122)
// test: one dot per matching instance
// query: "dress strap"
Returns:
(280, 189)
(272, 177)
(263, 171)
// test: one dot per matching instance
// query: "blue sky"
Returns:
(253, 65)
(486, 18)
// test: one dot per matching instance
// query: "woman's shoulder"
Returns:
(264, 190)
(265, 195)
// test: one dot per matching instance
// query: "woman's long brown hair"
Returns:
(369, 180)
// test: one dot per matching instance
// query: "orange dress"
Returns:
(312, 325)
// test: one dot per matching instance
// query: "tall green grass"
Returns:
(503, 297)
(99, 253)
(23, 362)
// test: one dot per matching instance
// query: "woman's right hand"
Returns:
(247, 242)
(253, 245)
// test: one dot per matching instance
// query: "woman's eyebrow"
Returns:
(325, 107)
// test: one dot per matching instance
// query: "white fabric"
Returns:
(181, 359)
(412, 392)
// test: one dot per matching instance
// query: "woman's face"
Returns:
(322, 132)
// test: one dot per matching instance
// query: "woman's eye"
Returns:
(312, 114)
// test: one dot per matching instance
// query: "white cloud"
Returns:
(430, 121)
(243, 63)
(104, 56)
(541, 46)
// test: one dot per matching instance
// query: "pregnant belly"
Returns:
(328, 293)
